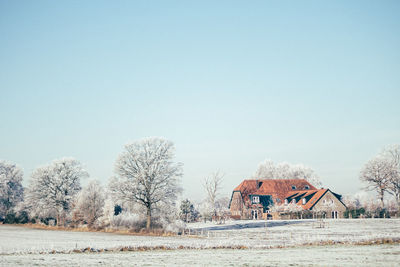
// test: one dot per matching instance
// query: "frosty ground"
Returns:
(280, 242)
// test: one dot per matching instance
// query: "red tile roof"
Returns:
(277, 188)
(283, 189)
(315, 196)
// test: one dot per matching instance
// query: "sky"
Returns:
(231, 83)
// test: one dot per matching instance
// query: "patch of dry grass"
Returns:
(142, 232)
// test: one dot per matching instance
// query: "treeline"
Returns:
(142, 194)
(362, 205)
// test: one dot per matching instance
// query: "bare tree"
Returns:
(393, 154)
(377, 174)
(53, 187)
(146, 174)
(212, 185)
(11, 190)
(222, 209)
(90, 202)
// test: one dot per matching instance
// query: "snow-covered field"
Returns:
(297, 232)
(378, 255)
(20, 245)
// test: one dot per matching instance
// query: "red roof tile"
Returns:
(314, 199)
(282, 189)
(277, 188)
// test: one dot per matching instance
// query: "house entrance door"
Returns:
(254, 214)
(334, 214)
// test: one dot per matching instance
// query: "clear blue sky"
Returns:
(231, 83)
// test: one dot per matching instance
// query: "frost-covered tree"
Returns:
(351, 202)
(212, 185)
(52, 188)
(392, 153)
(293, 208)
(146, 174)
(278, 208)
(376, 174)
(270, 170)
(11, 190)
(288, 208)
(356, 204)
(205, 209)
(222, 209)
(90, 202)
(108, 212)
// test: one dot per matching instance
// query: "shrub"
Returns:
(128, 220)
(16, 218)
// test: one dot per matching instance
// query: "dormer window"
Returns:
(306, 187)
(256, 199)
(293, 187)
(304, 201)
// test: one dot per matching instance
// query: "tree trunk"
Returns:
(148, 224)
(381, 194)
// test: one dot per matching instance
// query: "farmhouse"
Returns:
(281, 198)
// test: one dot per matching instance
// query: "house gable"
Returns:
(329, 200)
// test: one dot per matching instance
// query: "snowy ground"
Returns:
(378, 255)
(20, 245)
(296, 232)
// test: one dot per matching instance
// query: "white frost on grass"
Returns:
(278, 233)
(382, 255)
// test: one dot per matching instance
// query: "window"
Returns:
(286, 202)
(304, 201)
(294, 201)
(256, 199)
(306, 187)
(293, 187)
